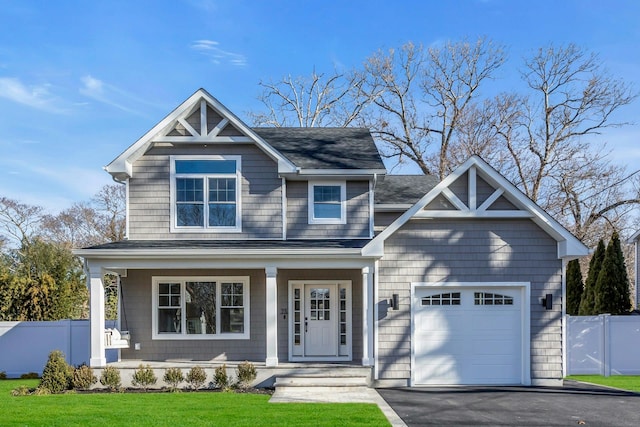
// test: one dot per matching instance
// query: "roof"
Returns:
(400, 189)
(233, 244)
(635, 237)
(569, 246)
(325, 148)
(296, 150)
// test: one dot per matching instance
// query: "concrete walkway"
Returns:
(336, 395)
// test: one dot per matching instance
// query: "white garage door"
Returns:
(467, 335)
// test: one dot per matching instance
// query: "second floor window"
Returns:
(327, 203)
(205, 193)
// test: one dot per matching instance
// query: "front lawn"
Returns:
(625, 382)
(175, 409)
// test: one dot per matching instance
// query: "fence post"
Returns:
(606, 334)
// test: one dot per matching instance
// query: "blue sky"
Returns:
(82, 80)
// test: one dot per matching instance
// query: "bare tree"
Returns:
(426, 94)
(90, 223)
(317, 100)
(19, 222)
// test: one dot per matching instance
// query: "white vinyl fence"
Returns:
(603, 345)
(25, 346)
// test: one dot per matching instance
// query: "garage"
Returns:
(466, 334)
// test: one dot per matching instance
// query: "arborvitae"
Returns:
(575, 287)
(612, 286)
(588, 302)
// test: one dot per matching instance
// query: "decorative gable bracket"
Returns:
(476, 190)
(201, 119)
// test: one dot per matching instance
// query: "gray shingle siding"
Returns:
(137, 299)
(470, 251)
(149, 198)
(357, 225)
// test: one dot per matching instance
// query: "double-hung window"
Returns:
(200, 307)
(206, 193)
(327, 203)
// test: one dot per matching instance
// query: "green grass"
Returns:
(175, 409)
(625, 382)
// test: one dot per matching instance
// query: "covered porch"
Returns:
(275, 308)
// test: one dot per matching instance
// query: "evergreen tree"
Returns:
(588, 302)
(612, 286)
(575, 287)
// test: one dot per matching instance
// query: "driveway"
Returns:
(573, 404)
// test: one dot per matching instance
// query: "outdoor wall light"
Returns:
(547, 301)
(393, 302)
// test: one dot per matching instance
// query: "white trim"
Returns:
(205, 228)
(187, 126)
(376, 322)
(311, 201)
(123, 164)
(564, 317)
(568, 245)
(472, 188)
(450, 195)
(427, 214)
(347, 284)
(203, 117)
(96, 316)
(285, 224)
(371, 210)
(491, 199)
(155, 280)
(126, 209)
(525, 290)
(271, 315)
(216, 130)
(341, 172)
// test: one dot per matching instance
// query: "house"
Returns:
(294, 245)
(635, 241)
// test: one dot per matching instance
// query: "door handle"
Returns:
(305, 324)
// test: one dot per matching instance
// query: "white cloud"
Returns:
(212, 50)
(110, 95)
(35, 96)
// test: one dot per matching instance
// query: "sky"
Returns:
(80, 81)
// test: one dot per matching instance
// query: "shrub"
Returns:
(246, 373)
(144, 377)
(196, 377)
(83, 377)
(220, 378)
(22, 390)
(57, 374)
(173, 377)
(30, 376)
(3, 375)
(110, 378)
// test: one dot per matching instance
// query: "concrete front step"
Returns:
(321, 381)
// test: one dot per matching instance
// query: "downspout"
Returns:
(564, 320)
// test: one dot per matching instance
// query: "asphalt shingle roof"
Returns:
(235, 244)
(403, 189)
(325, 148)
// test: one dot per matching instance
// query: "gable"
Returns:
(201, 119)
(475, 190)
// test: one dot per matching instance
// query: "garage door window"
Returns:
(486, 298)
(450, 298)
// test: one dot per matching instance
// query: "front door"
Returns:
(320, 320)
(321, 329)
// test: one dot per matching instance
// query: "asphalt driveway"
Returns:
(573, 404)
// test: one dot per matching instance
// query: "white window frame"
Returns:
(205, 227)
(343, 202)
(157, 280)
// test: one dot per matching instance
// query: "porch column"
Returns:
(272, 316)
(96, 318)
(367, 317)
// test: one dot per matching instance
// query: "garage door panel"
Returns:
(474, 342)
